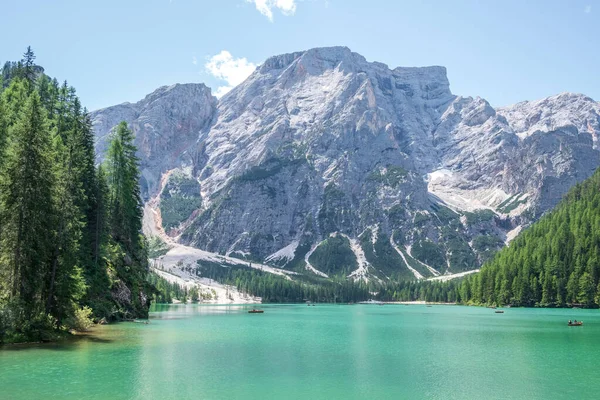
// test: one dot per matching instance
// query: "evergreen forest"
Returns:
(71, 248)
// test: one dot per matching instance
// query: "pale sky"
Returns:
(114, 51)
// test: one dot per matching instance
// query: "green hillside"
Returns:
(554, 263)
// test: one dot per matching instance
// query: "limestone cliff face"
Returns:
(558, 146)
(166, 124)
(320, 153)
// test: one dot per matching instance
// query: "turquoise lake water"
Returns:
(322, 352)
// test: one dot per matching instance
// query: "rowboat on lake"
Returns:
(255, 311)
(575, 323)
(499, 311)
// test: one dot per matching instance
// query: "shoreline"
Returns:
(75, 335)
(410, 303)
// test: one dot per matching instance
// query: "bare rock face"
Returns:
(558, 146)
(321, 153)
(166, 125)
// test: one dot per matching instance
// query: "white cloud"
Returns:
(231, 70)
(265, 7)
(194, 60)
(588, 9)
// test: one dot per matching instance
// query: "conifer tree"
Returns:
(70, 234)
(65, 284)
(125, 205)
(15, 97)
(100, 227)
(88, 202)
(26, 199)
(3, 130)
(98, 295)
(123, 178)
(28, 67)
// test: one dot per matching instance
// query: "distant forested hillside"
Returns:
(556, 262)
(553, 263)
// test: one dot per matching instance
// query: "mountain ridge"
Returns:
(323, 142)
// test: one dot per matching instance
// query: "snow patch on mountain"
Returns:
(448, 277)
(414, 271)
(287, 253)
(188, 256)
(447, 186)
(362, 272)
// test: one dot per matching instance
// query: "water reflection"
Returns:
(292, 351)
(65, 344)
(178, 311)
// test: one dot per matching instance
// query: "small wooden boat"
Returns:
(577, 323)
(255, 311)
(499, 311)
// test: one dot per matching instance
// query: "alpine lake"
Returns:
(362, 351)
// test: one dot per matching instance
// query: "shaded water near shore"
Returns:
(322, 352)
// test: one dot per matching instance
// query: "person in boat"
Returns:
(570, 322)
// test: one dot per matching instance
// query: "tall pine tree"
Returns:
(126, 210)
(26, 202)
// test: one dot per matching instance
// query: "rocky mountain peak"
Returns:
(177, 90)
(313, 60)
(299, 66)
(167, 124)
(553, 113)
(321, 153)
